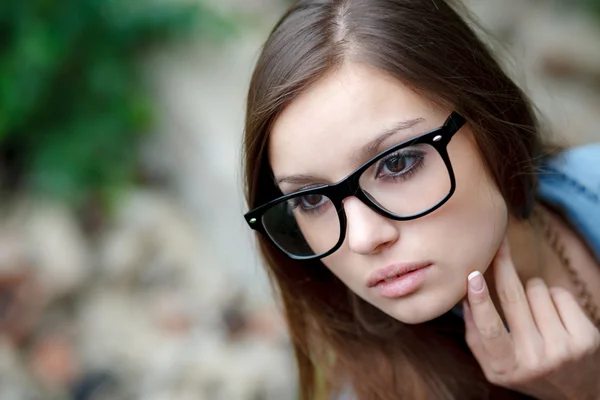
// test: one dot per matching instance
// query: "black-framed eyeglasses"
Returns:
(406, 181)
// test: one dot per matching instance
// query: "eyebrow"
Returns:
(367, 152)
(371, 149)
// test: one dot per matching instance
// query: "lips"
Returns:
(393, 272)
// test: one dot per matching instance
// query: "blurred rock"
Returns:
(21, 303)
(21, 293)
(55, 245)
(212, 368)
(98, 385)
(54, 362)
(16, 382)
(14, 254)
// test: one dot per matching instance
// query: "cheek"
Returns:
(343, 265)
(459, 237)
(480, 219)
(478, 211)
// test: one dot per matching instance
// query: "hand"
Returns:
(552, 349)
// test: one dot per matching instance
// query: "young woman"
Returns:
(424, 242)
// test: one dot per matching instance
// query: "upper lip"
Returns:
(393, 271)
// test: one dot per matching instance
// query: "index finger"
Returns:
(513, 299)
(494, 337)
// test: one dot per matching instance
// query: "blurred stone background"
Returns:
(126, 269)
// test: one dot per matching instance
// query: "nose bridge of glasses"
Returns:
(340, 191)
(350, 188)
(365, 204)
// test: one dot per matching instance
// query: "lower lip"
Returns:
(403, 285)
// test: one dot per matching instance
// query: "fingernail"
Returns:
(476, 281)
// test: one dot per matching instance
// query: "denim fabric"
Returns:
(571, 183)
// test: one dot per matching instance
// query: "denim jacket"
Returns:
(570, 182)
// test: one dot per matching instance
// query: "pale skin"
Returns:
(321, 133)
(551, 351)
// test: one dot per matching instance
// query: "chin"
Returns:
(420, 314)
(416, 317)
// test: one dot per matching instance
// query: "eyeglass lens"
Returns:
(405, 183)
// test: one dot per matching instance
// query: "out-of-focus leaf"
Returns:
(72, 105)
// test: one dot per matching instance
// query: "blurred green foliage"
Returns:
(594, 7)
(72, 101)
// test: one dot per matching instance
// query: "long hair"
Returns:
(338, 338)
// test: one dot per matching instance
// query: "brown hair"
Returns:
(338, 338)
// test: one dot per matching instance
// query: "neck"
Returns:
(531, 255)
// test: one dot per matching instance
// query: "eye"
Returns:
(309, 203)
(312, 200)
(399, 164)
(395, 164)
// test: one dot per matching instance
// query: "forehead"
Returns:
(318, 133)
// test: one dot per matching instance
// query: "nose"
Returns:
(368, 232)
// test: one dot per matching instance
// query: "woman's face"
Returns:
(321, 133)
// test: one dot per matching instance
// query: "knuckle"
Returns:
(593, 343)
(560, 293)
(578, 350)
(532, 358)
(559, 353)
(536, 362)
(499, 374)
(534, 284)
(582, 352)
(594, 335)
(500, 370)
(536, 289)
(498, 380)
(537, 367)
(587, 346)
(470, 338)
(511, 295)
(491, 331)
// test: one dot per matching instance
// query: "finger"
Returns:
(545, 314)
(576, 322)
(472, 336)
(513, 299)
(494, 337)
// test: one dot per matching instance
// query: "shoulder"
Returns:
(570, 181)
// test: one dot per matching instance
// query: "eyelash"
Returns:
(419, 156)
(296, 202)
